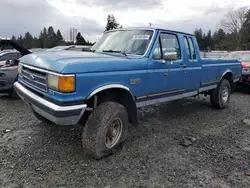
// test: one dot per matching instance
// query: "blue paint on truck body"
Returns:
(159, 80)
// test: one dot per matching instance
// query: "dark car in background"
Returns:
(244, 57)
(9, 60)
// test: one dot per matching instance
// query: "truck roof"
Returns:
(151, 28)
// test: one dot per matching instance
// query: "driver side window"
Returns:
(167, 46)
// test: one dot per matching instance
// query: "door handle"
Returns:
(183, 66)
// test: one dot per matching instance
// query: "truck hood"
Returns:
(245, 64)
(80, 62)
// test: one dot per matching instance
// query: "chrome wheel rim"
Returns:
(113, 133)
(225, 94)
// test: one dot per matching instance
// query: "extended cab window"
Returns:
(192, 49)
(187, 47)
(168, 44)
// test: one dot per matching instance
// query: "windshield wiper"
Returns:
(115, 51)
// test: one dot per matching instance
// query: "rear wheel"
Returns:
(220, 97)
(106, 130)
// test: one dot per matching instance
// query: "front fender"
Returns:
(109, 86)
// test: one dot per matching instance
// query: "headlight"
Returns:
(246, 70)
(20, 67)
(62, 83)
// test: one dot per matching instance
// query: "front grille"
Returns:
(34, 78)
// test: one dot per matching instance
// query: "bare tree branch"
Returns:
(233, 22)
(234, 19)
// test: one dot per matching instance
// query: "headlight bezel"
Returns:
(64, 83)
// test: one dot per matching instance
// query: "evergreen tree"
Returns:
(13, 38)
(111, 23)
(43, 39)
(80, 40)
(51, 37)
(59, 36)
(20, 40)
(198, 33)
(219, 38)
(208, 41)
(35, 43)
(28, 40)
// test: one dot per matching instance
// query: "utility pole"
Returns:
(75, 35)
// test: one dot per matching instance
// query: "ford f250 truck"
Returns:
(126, 69)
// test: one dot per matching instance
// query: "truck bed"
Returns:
(214, 69)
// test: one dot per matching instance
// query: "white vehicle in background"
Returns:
(7, 56)
(9, 60)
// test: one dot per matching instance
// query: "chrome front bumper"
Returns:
(60, 115)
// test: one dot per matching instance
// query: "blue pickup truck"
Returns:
(126, 69)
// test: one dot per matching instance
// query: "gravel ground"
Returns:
(33, 154)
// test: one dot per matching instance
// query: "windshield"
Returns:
(239, 55)
(126, 41)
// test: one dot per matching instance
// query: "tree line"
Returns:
(233, 34)
(48, 38)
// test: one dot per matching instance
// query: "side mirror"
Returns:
(170, 56)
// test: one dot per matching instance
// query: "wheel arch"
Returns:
(228, 75)
(118, 93)
(109, 86)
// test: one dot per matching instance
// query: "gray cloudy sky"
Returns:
(89, 16)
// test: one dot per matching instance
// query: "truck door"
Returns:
(193, 68)
(166, 67)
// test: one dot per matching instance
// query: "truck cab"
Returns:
(126, 69)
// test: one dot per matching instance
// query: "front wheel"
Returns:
(106, 130)
(220, 97)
